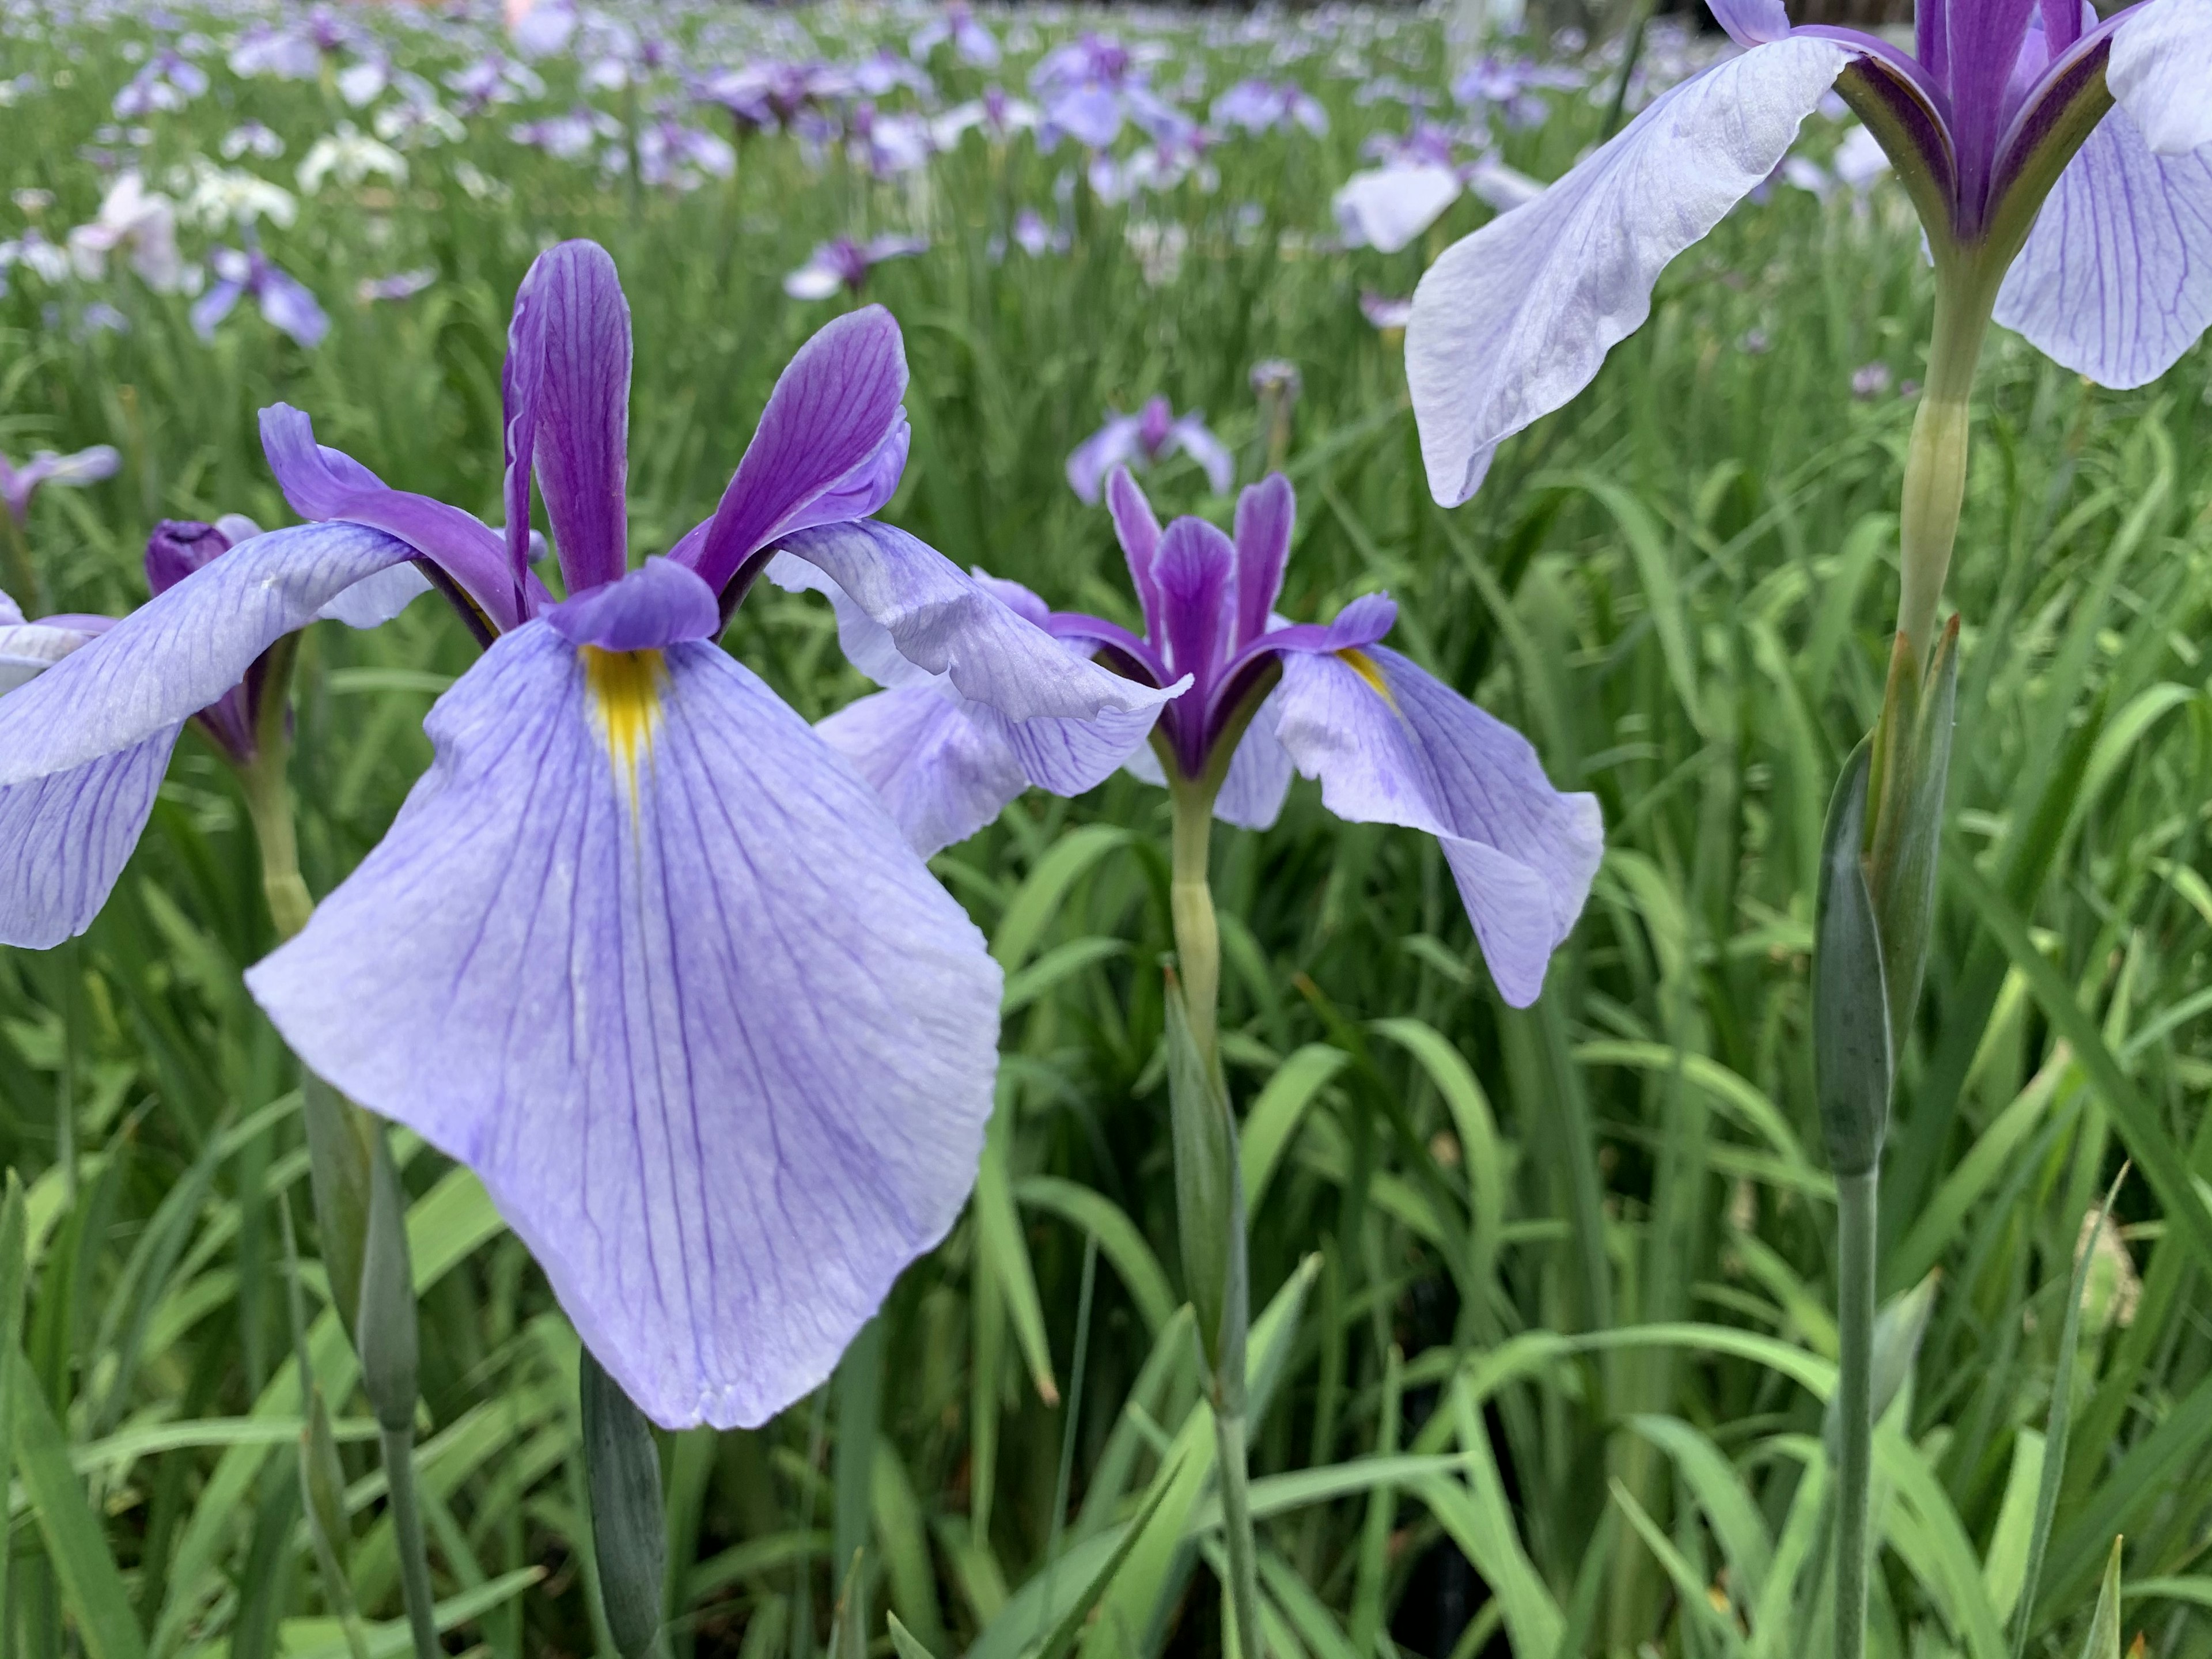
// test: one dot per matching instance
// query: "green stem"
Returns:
(1855, 1247)
(17, 573)
(1237, 1528)
(1190, 905)
(407, 1534)
(1935, 462)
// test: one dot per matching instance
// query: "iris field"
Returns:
(1544, 1300)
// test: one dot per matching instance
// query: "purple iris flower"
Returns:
(956, 23)
(1267, 106)
(640, 949)
(285, 303)
(1251, 697)
(1151, 435)
(166, 82)
(94, 704)
(19, 483)
(845, 263)
(400, 285)
(2062, 167)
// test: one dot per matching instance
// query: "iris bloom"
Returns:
(2060, 167)
(141, 221)
(285, 303)
(1260, 107)
(93, 705)
(18, 484)
(957, 23)
(1250, 697)
(1150, 436)
(640, 949)
(846, 264)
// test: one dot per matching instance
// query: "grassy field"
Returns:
(1548, 1293)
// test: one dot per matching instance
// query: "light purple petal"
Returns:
(521, 378)
(1016, 597)
(2160, 67)
(659, 604)
(1386, 207)
(1138, 532)
(1192, 435)
(375, 600)
(826, 428)
(27, 649)
(1109, 447)
(1751, 22)
(85, 466)
(938, 619)
(1391, 745)
(582, 425)
(942, 775)
(289, 307)
(2115, 280)
(1514, 320)
(326, 485)
(69, 835)
(183, 649)
(1259, 775)
(212, 306)
(719, 1048)
(1266, 515)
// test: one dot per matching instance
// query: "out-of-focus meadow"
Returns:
(1548, 1294)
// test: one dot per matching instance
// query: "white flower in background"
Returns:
(215, 198)
(478, 184)
(363, 83)
(1386, 207)
(37, 254)
(1159, 249)
(350, 156)
(31, 199)
(136, 220)
(250, 138)
(418, 120)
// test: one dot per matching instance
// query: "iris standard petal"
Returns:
(184, 648)
(1266, 514)
(327, 485)
(68, 836)
(1392, 745)
(942, 775)
(582, 427)
(519, 378)
(1196, 571)
(651, 960)
(936, 617)
(2115, 280)
(832, 411)
(2161, 68)
(1514, 320)
(1139, 531)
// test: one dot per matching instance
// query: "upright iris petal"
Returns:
(2061, 171)
(641, 949)
(1246, 698)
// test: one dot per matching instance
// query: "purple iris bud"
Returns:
(845, 263)
(640, 949)
(1250, 698)
(2062, 167)
(18, 484)
(1150, 436)
(285, 303)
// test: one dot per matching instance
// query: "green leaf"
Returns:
(92, 1589)
(1119, 1241)
(1729, 1508)
(1039, 898)
(1274, 1118)
(629, 1532)
(2104, 1639)
(1004, 1254)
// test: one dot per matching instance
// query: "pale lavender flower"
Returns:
(250, 138)
(569, 137)
(18, 484)
(168, 83)
(285, 303)
(956, 23)
(36, 253)
(845, 263)
(1150, 436)
(1250, 698)
(139, 221)
(400, 285)
(539, 28)
(1870, 380)
(1260, 107)
(1383, 312)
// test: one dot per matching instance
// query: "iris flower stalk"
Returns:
(2062, 169)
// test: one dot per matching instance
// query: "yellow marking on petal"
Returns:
(1364, 666)
(624, 687)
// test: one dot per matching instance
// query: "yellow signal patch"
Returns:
(624, 687)
(1364, 666)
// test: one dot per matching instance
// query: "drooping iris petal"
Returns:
(184, 648)
(1259, 775)
(329, 485)
(2158, 72)
(68, 836)
(834, 413)
(2115, 280)
(645, 955)
(942, 774)
(1514, 320)
(1195, 439)
(1392, 745)
(1110, 446)
(582, 416)
(934, 616)
(1266, 515)
(1386, 207)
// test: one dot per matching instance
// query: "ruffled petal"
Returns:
(649, 958)
(942, 774)
(326, 485)
(2115, 280)
(923, 609)
(1514, 320)
(68, 836)
(582, 431)
(831, 427)
(183, 649)
(1392, 745)
(2160, 67)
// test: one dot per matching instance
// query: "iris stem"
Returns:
(19, 575)
(1198, 951)
(1855, 1246)
(399, 1446)
(1935, 462)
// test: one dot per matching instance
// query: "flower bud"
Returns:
(629, 1539)
(1851, 1054)
(1209, 1196)
(386, 1327)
